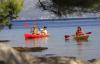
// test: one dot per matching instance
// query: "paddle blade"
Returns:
(66, 37)
(89, 33)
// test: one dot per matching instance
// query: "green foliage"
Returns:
(9, 10)
(63, 7)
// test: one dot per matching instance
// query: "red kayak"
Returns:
(28, 36)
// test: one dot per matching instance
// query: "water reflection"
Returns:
(80, 42)
(36, 42)
(80, 50)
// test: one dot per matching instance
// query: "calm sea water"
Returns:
(56, 43)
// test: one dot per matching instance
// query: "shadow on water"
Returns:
(4, 40)
(30, 49)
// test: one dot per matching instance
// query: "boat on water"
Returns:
(81, 38)
(30, 36)
(78, 38)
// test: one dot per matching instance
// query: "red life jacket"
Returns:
(80, 33)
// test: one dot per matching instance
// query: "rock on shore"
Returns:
(9, 55)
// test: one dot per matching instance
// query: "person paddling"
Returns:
(35, 30)
(80, 32)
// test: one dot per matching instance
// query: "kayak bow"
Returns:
(30, 36)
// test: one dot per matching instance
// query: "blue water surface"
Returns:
(56, 43)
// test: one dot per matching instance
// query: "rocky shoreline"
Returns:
(10, 55)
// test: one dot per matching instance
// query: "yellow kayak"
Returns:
(81, 38)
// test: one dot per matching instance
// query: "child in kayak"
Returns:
(44, 31)
(79, 32)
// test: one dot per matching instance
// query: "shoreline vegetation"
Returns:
(9, 55)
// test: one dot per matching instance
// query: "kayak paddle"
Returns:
(89, 33)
